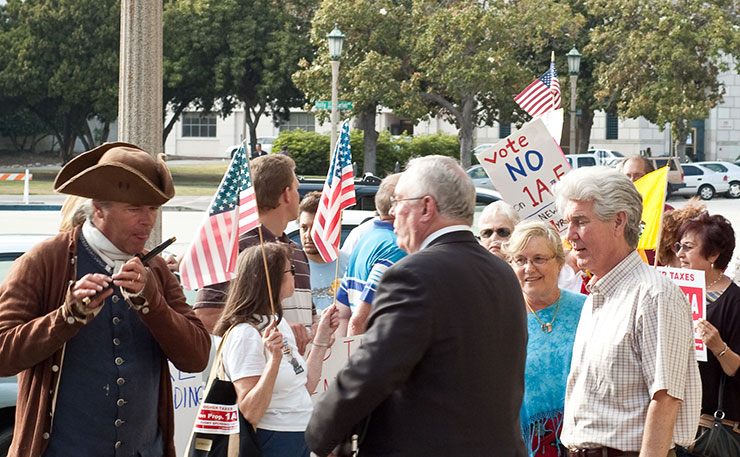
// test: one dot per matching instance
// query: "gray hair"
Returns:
(527, 230)
(610, 191)
(648, 165)
(384, 194)
(500, 207)
(443, 179)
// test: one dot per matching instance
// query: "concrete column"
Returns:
(140, 82)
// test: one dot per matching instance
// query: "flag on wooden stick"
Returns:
(338, 193)
(211, 257)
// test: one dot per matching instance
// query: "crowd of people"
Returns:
(521, 342)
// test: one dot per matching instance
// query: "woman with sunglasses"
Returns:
(536, 254)
(706, 243)
(273, 382)
(496, 223)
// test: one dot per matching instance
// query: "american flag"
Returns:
(338, 193)
(542, 95)
(211, 257)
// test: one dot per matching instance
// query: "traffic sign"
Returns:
(326, 105)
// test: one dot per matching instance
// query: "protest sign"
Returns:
(524, 168)
(187, 394)
(335, 359)
(692, 283)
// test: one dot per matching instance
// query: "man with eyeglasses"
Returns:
(441, 366)
(634, 386)
(497, 221)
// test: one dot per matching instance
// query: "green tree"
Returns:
(471, 58)
(59, 60)
(371, 69)
(661, 59)
(237, 52)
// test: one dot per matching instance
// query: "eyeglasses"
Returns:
(678, 246)
(394, 200)
(503, 232)
(292, 270)
(537, 260)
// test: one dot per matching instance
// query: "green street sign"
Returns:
(326, 105)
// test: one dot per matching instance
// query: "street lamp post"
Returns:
(336, 39)
(574, 64)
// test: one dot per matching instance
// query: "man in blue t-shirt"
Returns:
(373, 255)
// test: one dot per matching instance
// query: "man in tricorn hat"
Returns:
(89, 328)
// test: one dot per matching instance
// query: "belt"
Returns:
(600, 452)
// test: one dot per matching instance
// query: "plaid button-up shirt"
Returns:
(635, 337)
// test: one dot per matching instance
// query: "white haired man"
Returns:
(441, 367)
(634, 386)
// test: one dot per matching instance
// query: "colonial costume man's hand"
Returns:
(87, 295)
(132, 277)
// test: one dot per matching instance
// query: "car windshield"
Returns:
(617, 154)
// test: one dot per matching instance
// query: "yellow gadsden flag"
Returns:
(652, 187)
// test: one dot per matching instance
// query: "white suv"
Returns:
(606, 157)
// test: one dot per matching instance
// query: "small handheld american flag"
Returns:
(211, 257)
(338, 193)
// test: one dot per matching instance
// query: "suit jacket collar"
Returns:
(456, 236)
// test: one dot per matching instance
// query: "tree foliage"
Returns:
(661, 59)
(59, 61)
(228, 53)
(371, 69)
(460, 60)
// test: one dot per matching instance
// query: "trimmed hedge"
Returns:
(310, 150)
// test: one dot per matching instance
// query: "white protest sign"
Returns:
(335, 359)
(553, 121)
(693, 284)
(524, 167)
(187, 393)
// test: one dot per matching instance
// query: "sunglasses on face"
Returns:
(678, 246)
(292, 270)
(501, 232)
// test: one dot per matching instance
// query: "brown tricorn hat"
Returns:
(118, 172)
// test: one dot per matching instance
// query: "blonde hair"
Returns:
(525, 231)
(75, 211)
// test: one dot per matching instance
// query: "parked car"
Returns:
(582, 160)
(479, 176)
(11, 247)
(606, 157)
(733, 175)
(675, 172)
(481, 148)
(265, 141)
(702, 181)
(365, 190)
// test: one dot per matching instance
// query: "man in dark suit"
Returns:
(441, 368)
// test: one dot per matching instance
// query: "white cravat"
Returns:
(113, 257)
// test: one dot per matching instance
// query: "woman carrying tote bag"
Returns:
(273, 382)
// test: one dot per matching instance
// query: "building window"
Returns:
(303, 121)
(504, 130)
(198, 125)
(612, 127)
